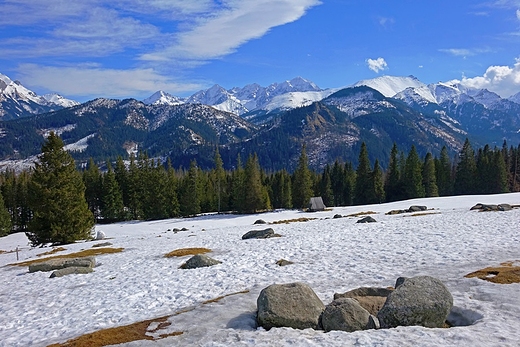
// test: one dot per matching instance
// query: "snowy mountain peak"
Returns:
(391, 85)
(515, 98)
(162, 98)
(57, 99)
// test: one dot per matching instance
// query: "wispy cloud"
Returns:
(503, 80)
(385, 22)
(95, 81)
(464, 52)
(377, 65)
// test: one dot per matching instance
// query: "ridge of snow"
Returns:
(391, 85)
(420, 95)
(59, 100)
(162, 98)
(293, 100)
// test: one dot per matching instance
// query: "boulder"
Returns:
(199, 260)
(366, 219)
(396, 212)
(71, 270)
(260, 221)
(336, 216)
(371, 299)
(60, 263)
(292, 305)
(259, 234)
(423, 301)
(345, 314)
(100, 235)
(416, 208)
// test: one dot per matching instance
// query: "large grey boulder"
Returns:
(345, 314)
(371, 299)
(259, 234)
(199, 260)
(60, 263)
(416, 208)
(292, 305)
(422, 300)
(71, 270)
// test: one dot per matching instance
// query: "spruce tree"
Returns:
(429, 178)
(466, 171)
(5, 218)
(363, 192)
(348, 185)
(253, 192)
(190, 195)
(93, 187)
(172, 199)
(393, 186)
(378, 185)
(57, 198)
(112, 208)
(326, 187)
(412, 177)
(337, 178)
(443, 173)
(302, 183)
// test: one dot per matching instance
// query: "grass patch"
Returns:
(422, 214)
(186, 251)
(287, 221)
(55, 250)
(113, 336)
(223, 296)
(361, 214)
(84, 253)
(507, 273)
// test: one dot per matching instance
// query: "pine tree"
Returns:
(499, 182)
(93, 184)
(326, 187)
(220, 182)
(349, 184)
(5, 218)
(466, 171)
(57, 192)
(172, 200)
(112, 208)
(378, 185)
(190, 196)
(412, 177)
(302, 183)
(393, 186)
(236, 198)
(253, 192)
(428, 176)
(363, 192)
(443, 173)
(337, 178)
(134, 188)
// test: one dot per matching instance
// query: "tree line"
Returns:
(146, 189)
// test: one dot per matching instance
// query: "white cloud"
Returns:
(464, 52)
(377, 65)
(386, 21)
(518, 14)
(225, 30)
(94, 81)
(503, 80)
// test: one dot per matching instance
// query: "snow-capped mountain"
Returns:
(162, 98)
(253, 97)
(389, 86)
(17, 101)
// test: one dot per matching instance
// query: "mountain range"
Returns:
(272, 121)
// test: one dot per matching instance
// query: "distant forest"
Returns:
(146, 189)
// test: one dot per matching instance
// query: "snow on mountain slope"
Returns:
(515, 98)
(297, 99)
(391, 85)
(420, 95)
(15, 90)
(57, 99)
(162, 98)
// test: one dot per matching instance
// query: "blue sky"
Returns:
(132, 48)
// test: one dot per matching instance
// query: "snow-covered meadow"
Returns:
(330, 255)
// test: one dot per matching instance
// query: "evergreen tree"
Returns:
(499, 182)
(172, 200)
(57, 192)
(466, 171)
(220, 182)
(134, 184)
(302, 183)
(5, 218)
(429, 178)
(93, 184)
(326, 187)
(349, 184)
(443, 173)
(254, 198)
(24, 213)
(112, 209)
(236, 199)
(10, 194)
(393, 184)
(190, 196)
(337, 178)
(363, 192)
(121, 173)
(378, 185)
(412, 177)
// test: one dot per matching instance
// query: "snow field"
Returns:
(331, 255)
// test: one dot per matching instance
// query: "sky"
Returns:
(132, 48)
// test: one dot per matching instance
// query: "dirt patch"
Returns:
(287, 221)
(507, 273)
(186, 251)
(84, 253)
(54, 250)
(113, 336)
(422, 214)
(361, 214)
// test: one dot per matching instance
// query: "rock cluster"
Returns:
(422, 301)
(64, 266)
(413, 208)
(488, 207)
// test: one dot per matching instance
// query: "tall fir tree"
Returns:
(378, 184)
(63, 217)
(302, 183)
(172, 199)
(443, 170)
(112, 208)
(326, 186)
(93, 187)
(412, 177)
(5, 218)
(254, 198)
(466, 171)
(363, 192)
(190, 195)
(349, 184)
(429, 177)
(393, 184)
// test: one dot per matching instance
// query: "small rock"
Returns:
(100, 235)
(184, 229)
(283, 262)
(259, 234)
(199, 260)
(366, 219)
(415, 208)
(102, 244)
(346, 315)
(260, 221)
(337, 216)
